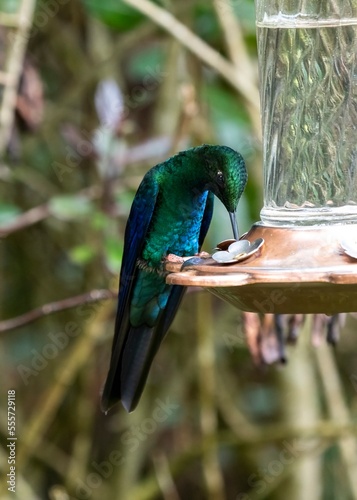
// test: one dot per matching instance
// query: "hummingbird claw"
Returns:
(192, 262)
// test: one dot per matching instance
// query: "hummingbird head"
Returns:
(225, 175)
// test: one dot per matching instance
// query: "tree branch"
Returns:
(238, 54)
(41, 212)
(14, 67)
(53, 307)
(28, 218)
(198, 47)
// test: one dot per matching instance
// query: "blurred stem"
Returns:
(72, 363)
(238, 54)
(26, 219)
(164, 477)
(149, 489)
(41, 212)
(206, 383)
(129, 472)
(282, 479)
(168, 107)
(234, 38)
(300, 408)
(14, 69)
(339, 411)
(54, 307)
(235, 419)
(198, 47)
(100, 45)
(82, 444)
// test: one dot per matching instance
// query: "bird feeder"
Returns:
(307, 54)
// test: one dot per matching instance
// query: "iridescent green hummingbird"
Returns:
(170, 214)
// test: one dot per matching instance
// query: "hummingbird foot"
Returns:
(199, 258)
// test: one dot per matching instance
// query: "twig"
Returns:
(164, 477)
(207, 388)
(82, 409)
(41, 418)
(300, 407)
(234, 418)
(234, 38)
(41, 212)
(28, 218)
(330, 430)
(16, 57)
(238, 53)
(338, 410)
(198, 47)
(53, 307)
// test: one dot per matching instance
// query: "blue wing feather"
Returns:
(135, 234)
(206, 219)
(134, 347)
(177, 292)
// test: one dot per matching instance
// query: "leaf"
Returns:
(114, 13)
(229, 119)
(81, 254)
(113, 249)
(148, 65)
(70, 207)
(99, 220)
(245, 11)
(8, 213)
(10, 6)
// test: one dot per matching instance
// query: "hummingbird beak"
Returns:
(233, 218)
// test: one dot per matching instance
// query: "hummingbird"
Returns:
(170, 214)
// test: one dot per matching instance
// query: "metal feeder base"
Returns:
(298, 270)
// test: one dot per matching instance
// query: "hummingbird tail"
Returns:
(133, 354)
(126, 378)
(138, 356)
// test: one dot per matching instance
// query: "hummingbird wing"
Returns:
(135, 233)
(134, 347)
(140, 348)
(177, 291)
(143, 342)
(206, 219)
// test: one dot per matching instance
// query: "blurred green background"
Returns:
(104, 94)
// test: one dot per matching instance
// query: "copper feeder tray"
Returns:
(298, 270)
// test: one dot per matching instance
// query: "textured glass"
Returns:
(308, 77)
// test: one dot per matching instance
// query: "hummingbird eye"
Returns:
(220, 178)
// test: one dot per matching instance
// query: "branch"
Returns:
(53, 307)
(41, 212)
(329, 430)
(39, 421)
(28, 218)
(238, 53)
(14, 67)
(198, 47)
(339, 411)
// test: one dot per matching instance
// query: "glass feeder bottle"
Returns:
(307, 53)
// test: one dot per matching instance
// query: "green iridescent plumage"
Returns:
(171, 213)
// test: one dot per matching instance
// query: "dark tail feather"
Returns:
(132, 358)
(127, 377)
(138, 355)
(140, 348)
(111, 391)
